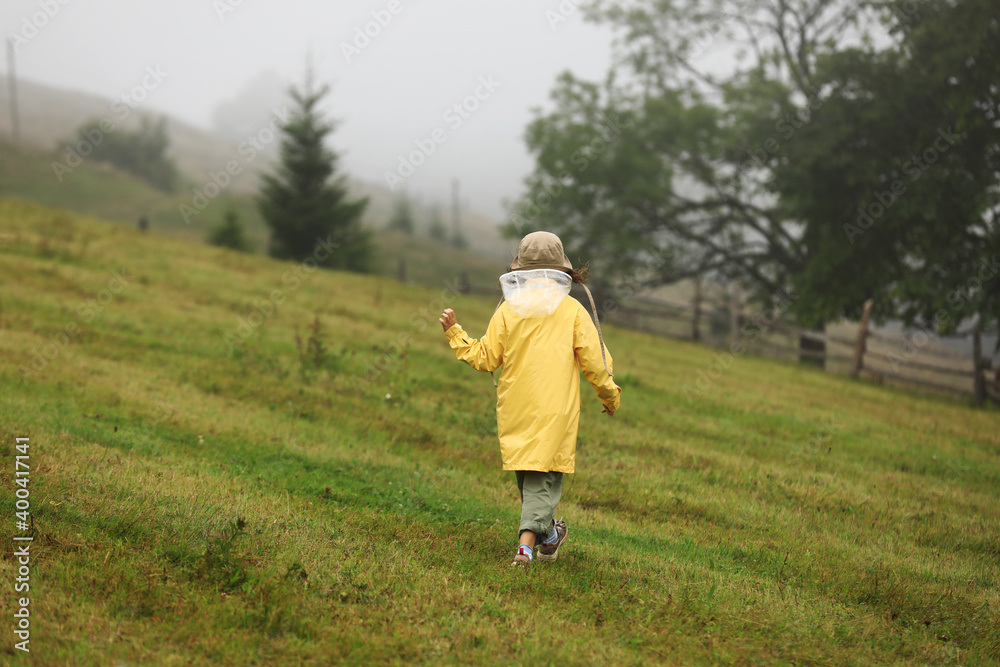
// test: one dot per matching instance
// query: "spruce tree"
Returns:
(230, 233)
(305, 202)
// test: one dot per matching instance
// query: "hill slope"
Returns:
(105, 192)
(50, 115)
(101, 190)
(215, 481)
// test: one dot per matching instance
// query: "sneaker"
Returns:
(521, 559)
(549, 552)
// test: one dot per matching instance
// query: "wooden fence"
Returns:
(916, 359)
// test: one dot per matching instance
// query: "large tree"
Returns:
(897, 174)
(305, 202)
(726, 142)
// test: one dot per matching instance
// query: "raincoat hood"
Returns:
(535, 292)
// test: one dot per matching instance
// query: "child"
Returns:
(541, 338)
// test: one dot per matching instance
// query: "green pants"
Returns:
(540, 493)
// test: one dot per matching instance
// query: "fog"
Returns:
(391, 91)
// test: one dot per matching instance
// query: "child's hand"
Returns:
(611, 413)
(447, 319)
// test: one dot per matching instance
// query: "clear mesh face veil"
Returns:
(535, 293)
(538, 292)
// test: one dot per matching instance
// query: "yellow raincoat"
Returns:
(538, 398)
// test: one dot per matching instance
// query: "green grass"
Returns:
(102, 191)
(435, 264)
(340, 498)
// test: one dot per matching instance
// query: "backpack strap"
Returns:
(597, 321)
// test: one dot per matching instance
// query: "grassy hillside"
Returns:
(101, 190)
(431, 263)
(50, 115)
(280, 502)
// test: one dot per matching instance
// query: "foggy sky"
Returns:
(398, 89)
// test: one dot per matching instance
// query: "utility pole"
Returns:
(456, 222)
(457, 238)
(15, 117)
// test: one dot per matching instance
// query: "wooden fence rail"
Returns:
(895, 360)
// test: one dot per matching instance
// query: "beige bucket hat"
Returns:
(541, 250)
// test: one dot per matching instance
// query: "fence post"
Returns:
(996, 384)
(735, 315)
(977, 363)
(696, 307)
(861, 344)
